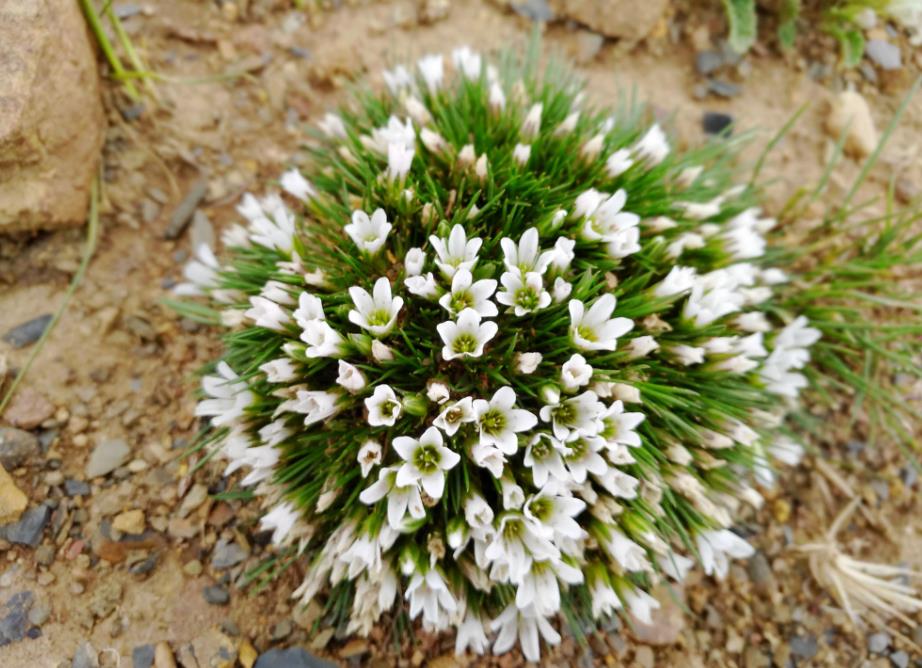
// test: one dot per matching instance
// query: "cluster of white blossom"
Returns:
(511, 464)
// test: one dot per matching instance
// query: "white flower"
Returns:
(498, 421)
(315, 405)
(266, 313)
(568, 124)
(400, 500)
(433, 141)
(489, 457)
(380, 352)
(429, 594)
(603, 215)
(417, 110)
(618, 483)
(383, 407)
(438, 392)
(631, 556)
(619, 427)
(350, 377)
(686, 355)
(525, 626)
(431, 68)
(716, 547)
(456, 252)
(376, 313)
(369, 456)
(471, 634)
(641, 346)
(563, 253)
(282, 370)
(399, 160)
(592, 147)
(604, 599)
(641, 605)
(789, 352)
(398, 79)
(543, 457)
(513, 495)
(414, 261)
(395, 132)
(271, 223)
(521, 154)
(674, 565)
(369, 234)
(201, 273)
(280, 520)
(278, 292)
(309, 308)
(539, 589)
(425, 461)
(618, 162)
(596, 329)
(321, 339)
(523, 294)
(575, 373)
(294, 183)
(229, 396)
(274, 433)
(467, 61)
(422, 286)
(583, 457)
(562, 290)
(481, 167)
(653, 147)
(742, 237)
(465, 293)
(467, 336)
(622, 243)
(332, 126)
(678, 280)
(526, 363)
(555, 514)
(577, 416)
(526, 256)
(454, 415)
(532, 123)
(497, 97)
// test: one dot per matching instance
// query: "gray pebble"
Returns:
(883, 54)
(723, 88)
(292, 657)
(28, 530)
(85, 657)
(16, 447)
(281, 630)
(760, 571)
(142, 656)
(536, 10)
(226, 554)
(900, 659)
(44, 555)
(803, 647)
(28, 332)
(106, 457)
(76, 488)
(878, 642)
(14, 617)
(216, 595)
(707, 62)
(39, 613)
(183, 212)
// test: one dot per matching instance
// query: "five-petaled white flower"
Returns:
(619, 427)
(523, 294)
(716, 547)
(375, 312)
(399, 160)
(454, 415)
(543, 456)
(228, 396)
(527, 363)
(321, 339)
(280, 520)
(467, 293)
(414, 261)
(423, 285)
(580, 415)
(425, 461)
(432, 70)
(369, 456)
(456, 252)
(653, 147)
(467, 336)
(526, 256)
(400, 500)
(369, 234)
(383, 407)
(595, 329)
(350, 378)
(575, 373)
(467, 61)
(498, 421)
(294, 183)
(526, 626)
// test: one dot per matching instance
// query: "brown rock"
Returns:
(51, 115)
(130, 522)
(163, 656)
(28, 409)
(850, 113)
(246, 654)
(12, 501)
(220, 515)
(627, 19)
(356, 647)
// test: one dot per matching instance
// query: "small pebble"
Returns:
(883, 54)
(28, 332)
(707, 62)
(216, 595)
(803, 647)
(900, 659)
(715, 123)
(879, 642)
(724, 88)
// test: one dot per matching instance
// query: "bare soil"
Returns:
(236, 94)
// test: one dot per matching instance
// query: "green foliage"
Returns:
(741, 14)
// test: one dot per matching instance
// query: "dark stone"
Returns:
(715, 123)
(216, 595)
(707, 62)
(723, 88)
(144, 567)
(28, 332)
(183, 212)
(132, 112)
(28, 530)
(14, 624)
(300, 52)
(293, 657)
(16, 447)
(536, 10)
(909, 475)
(227, 553)
(76, 488)
(803, 647)
(142, 656)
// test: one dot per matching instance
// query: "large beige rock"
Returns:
(12, 500)
(51, 115)
(626, 19)
(849, 113)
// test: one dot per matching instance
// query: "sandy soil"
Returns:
(237, 94)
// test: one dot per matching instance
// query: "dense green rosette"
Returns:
(501, 354)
